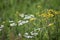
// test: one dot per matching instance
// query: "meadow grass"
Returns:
(29, 20)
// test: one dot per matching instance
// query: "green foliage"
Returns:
(45, 18)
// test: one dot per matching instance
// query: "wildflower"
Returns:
(28, 36)
(11, 21)
(22, 22)
(19, 34)
(28, 16)
(1, 26)
(38, 29)
(44, 15)
(50, 24)
(21, 15)
(50, 15)
(34, 33)
(50, 10)
(26, 21)
(32, 15)
(13, 24)
(31, 19)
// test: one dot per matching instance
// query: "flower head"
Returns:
(13, 24)
(1, 26)
(34, 33)
(21, 15)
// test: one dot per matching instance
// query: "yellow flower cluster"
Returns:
(50, 13)
(47, 15)
(54, 12)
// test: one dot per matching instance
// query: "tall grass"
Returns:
(44, 22)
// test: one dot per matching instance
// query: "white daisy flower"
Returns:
(26, 21)
(32, 15)
(19, 34)
(13, 24)
(28, 36)
(20, 24)
(23, 22)
(38, 29)
(21, 15)
(11, 21)
(1, 26)
(34, 33)
(28, 17)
